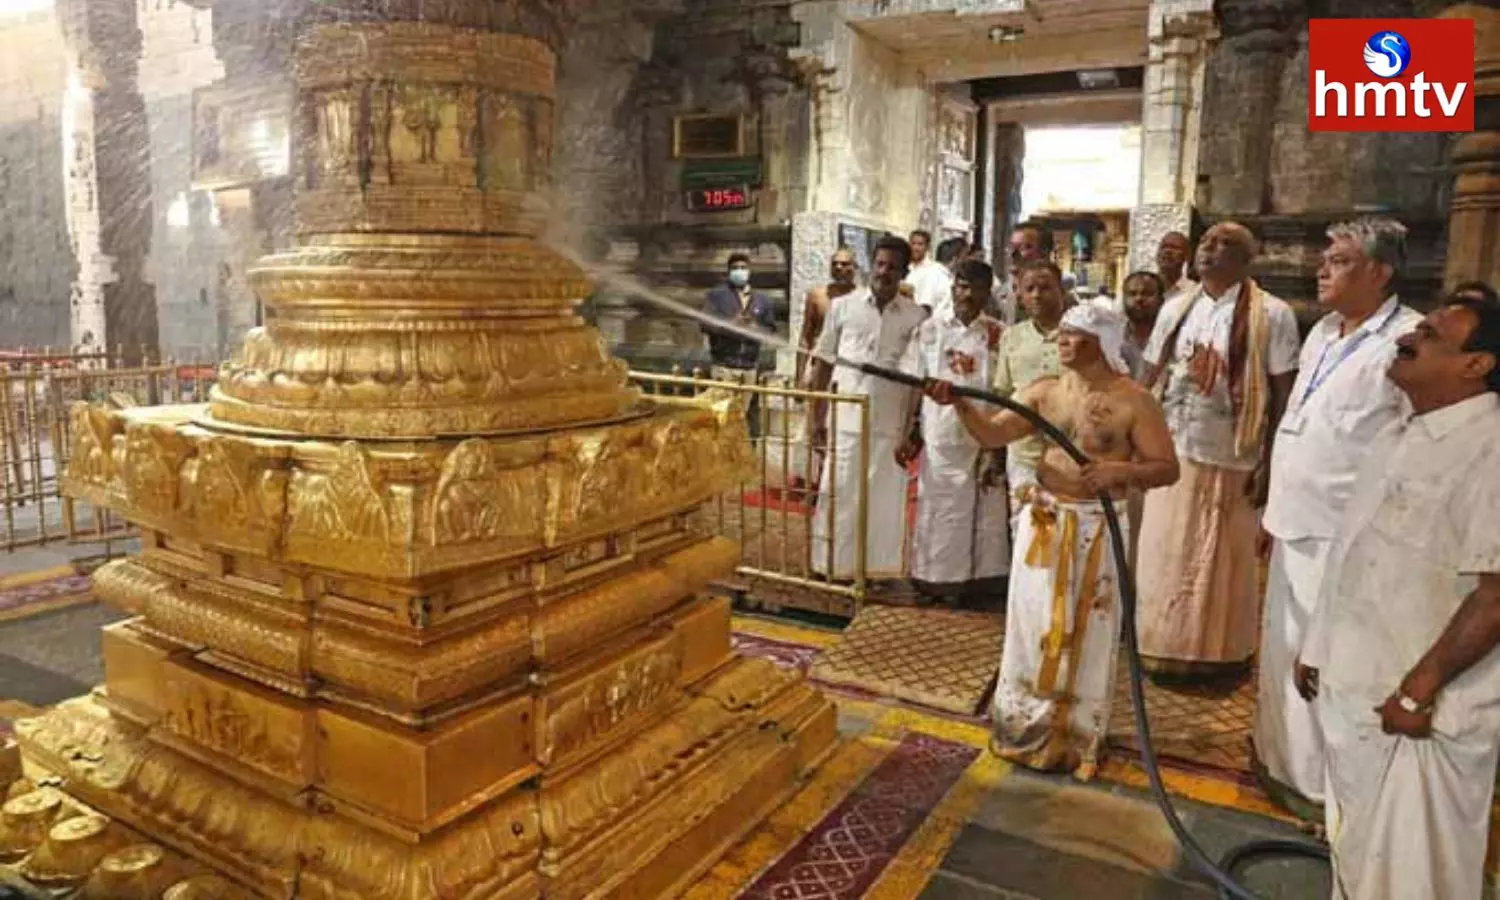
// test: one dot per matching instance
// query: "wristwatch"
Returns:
(1411, 705)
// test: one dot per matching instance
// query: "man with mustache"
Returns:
(1401, 660)
(960, 551)
(1142, 301)
(1062, 628)
(1222, 360)
(1340, 402)
(870, 325)
(1029, 243)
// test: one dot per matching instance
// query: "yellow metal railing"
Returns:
(773, 515)
(35, 440)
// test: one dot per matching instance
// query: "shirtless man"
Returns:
(1056, 682)
(841, 271)
(807, 461)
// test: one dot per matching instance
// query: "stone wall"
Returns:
(1258, 162)
(189, 246)
(36, 260)
(39, 269)
(627, 71)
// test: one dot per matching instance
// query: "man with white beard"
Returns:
(1401, 657)
(1340, 402)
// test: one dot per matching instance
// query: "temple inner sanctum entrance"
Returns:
(425, 471)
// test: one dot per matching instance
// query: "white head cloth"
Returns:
(1106, 325)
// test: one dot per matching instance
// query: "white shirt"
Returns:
(858, 331)
(1004, 292)
(946, 348)
(1420, 528)
(1341, 401)
(1203, 425)
(932, 285)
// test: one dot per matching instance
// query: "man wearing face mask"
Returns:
(736, 356)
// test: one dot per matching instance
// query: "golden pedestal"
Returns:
(420, 611)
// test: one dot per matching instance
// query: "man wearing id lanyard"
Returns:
(1340, 401)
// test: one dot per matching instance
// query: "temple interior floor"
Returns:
(909, 806)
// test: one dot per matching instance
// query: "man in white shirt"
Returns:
(1401, 657)
(870, 325)
(931, 281)
(1172, 255)
(960, 548)
(1223, 361)
(1340, 402)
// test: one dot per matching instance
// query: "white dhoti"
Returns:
(836, 523)
(1288, 739)
(1406, 818)
(1019, 477)
(1062, 628)
(961, 534)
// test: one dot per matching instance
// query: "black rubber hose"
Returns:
(1222, 873)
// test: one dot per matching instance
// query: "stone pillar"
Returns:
(1474, 212)
(107, 160)
(1181, 32)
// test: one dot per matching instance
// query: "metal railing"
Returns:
(786, 558)
(35, 440)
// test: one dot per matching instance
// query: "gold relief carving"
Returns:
(478, 500)
(412, 677)
(126, 584)
(93, 430)
(617, 784)
(427, 120)
(507, 142)
(242, 722)
(148, 464)
(334, 141)
(345, 504)
(205, 615)
(482, 857)
(567, 625)
(578, 715)
(541, 149)
(750, 684)
(234, 484)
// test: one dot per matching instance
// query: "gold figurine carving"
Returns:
(423, 609)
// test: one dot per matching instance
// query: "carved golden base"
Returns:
(640, 821)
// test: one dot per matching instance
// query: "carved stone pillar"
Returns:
(1241, 96)
(1474, 212)
(108, 180)
(422, 609)
(1180, 37)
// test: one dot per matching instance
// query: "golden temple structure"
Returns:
(422, 606)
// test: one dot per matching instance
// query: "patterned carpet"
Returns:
(946, 662)
(36, 592)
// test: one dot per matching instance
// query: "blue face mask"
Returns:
(739, 277)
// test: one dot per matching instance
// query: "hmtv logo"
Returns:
(1390, 75)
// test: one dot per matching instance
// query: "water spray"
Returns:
(1222, 872)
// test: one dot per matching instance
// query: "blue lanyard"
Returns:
(1319, 376)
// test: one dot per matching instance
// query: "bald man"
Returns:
(1172, 255)
(1223, 361)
